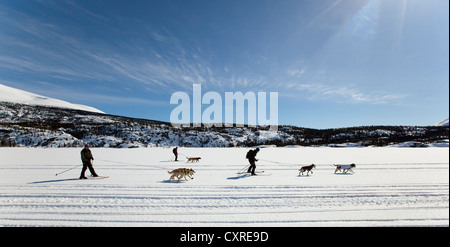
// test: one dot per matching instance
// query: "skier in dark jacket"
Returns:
(175, 152)
(251, 156)
(86, 157)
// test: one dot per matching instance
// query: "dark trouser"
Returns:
(176, 157)
(87, 165)
(252, 168)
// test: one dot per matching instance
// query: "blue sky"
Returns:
(334, 63)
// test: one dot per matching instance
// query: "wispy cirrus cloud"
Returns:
(35, 47)
(317, 92)
(156, 60)
(54, 52)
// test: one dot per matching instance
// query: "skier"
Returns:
(175, 152)
(86, 157)
(251, 156)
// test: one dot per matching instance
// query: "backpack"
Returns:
(249, 153)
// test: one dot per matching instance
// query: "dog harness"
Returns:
(345, 166)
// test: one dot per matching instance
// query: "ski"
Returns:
(99, 177)
(245, 172)
(258, 173)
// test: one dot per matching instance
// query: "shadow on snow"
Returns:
(54, 181)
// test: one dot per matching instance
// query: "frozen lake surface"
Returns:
(390, 187)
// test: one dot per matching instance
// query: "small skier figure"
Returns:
(251, 156)
(86, 157)
(175, 152)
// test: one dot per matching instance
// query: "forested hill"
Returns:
(42, 126)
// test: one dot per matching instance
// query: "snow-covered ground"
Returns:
(390, 187)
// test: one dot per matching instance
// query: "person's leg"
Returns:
(83, 170)
(91, 169)
(253, 169)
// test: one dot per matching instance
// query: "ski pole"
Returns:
(243, 168)
(68, 170)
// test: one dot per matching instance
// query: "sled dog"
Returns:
(344, 168)
(193, 159)
(306, 169)
(181, 172)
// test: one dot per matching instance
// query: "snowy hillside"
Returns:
(13, 95)
(389, 187)
(28, 119)
(443, 123)
(40, 126)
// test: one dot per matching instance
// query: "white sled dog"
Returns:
(344, 168)
(182, 172)
(193, 159)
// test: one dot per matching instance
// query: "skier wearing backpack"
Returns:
(175, 152)
(251, 156)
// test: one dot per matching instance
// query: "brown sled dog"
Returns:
(182, 172)
(193, 159)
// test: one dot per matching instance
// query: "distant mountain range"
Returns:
(32, 120)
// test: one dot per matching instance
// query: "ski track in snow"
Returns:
(390, 187)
